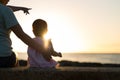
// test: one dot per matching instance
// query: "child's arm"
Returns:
(16, 8)
(47, 56)
(52, 51)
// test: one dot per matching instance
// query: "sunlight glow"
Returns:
(62, 34)
(47, 36)
(63, 37)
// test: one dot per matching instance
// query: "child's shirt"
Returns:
(36, 59)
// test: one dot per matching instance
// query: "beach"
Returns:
(60, 73)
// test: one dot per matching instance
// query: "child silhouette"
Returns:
(37, 59)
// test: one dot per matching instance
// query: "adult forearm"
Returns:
(30, 42)
(14, 8)
(26, 39)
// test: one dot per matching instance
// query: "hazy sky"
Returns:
(74, 25)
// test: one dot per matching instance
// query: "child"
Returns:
(36, 59)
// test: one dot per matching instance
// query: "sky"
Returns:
(74, 25)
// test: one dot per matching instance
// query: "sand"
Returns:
(61, 73)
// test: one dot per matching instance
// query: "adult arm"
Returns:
(12, 23)
(25, 38)
(29, 41)
(16, 8)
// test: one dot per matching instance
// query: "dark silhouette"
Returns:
(8, 23)
(35, 58)
(16, 8)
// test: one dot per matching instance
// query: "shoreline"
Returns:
(66, 63)
(108, 58)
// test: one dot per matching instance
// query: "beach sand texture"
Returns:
(61, 73)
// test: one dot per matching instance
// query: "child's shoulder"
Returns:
(38, 39)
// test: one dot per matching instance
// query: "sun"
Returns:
(65, 40)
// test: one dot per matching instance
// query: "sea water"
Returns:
(85, 57)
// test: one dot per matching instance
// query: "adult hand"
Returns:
(26, 10)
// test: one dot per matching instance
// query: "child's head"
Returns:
(39, 27)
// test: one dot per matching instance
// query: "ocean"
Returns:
(113, 58)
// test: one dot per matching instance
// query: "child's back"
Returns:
(36, 59)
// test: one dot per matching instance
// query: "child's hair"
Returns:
(39, 27)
